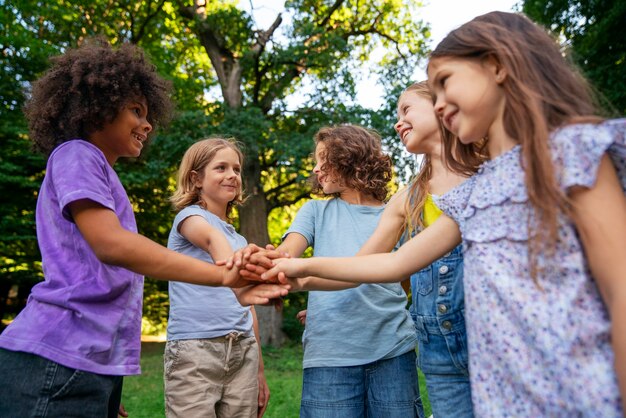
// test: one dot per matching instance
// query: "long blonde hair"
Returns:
(196, 158)
(418, 188)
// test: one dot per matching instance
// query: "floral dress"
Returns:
(535, 350)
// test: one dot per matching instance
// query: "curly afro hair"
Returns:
(87, 87)
(355, 156)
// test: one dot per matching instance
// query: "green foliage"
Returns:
(156, 305)
(594, 31)
(23, 56)
(316, 49)
(294, 303)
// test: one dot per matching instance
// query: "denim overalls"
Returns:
(438, 312)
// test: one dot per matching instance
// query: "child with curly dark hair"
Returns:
(66, 352)
(359, 342)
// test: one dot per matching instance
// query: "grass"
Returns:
(143, 395)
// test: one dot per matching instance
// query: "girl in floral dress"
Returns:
(543, 225)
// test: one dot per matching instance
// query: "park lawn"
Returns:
(143, 395)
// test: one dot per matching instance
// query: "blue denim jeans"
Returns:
(32, 386)
(382, 389)
(438, 311)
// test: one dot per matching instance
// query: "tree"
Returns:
(23, 56)
(234, 79)
(595, 38)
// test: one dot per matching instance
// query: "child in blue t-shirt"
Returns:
(359, 343)
(212, 364)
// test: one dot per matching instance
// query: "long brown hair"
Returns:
(543, 92)
(418, 188)
(196, 158)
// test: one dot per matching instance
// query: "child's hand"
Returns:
(295, 284)
(239, 257)
(252, 254)
(259, 262)
(260, 294)
(122, 411)
(264, 394)
(233, 279)
(284, 270)
(301, 316)
(242, 255)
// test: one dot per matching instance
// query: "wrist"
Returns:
(225, 278)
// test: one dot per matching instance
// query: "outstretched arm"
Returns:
(429, 245)
(600, 217)
(203, 235)
(389, 228)
(112, 244)
(384, 239)
(294, 245)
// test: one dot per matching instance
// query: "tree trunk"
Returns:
(253, 226)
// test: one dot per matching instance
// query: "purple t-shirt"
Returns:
(86, 315)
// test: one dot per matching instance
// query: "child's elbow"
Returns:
(109, 253)
(106, 256)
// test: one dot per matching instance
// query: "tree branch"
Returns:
(227, 68)
(332, 10)
(282, 186)
(136, 38)
(273, 203)
(257, 49)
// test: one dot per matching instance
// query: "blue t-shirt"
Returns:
(354, 326)
(86, 314)
(198, 311)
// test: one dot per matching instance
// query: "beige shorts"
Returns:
(212, 378)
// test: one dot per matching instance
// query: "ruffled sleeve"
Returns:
(578, 149)
(489, 205)
(454, 202)
(493, 204)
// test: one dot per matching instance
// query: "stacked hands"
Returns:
(262, 276)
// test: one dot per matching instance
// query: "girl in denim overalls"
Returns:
(437, 291)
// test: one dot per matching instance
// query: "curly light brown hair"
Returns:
(355, 157)
(87, 87)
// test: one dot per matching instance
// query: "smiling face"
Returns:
(220, 181)
(327, 180)
(126, 134)
(469, 99)
(417, 124)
